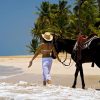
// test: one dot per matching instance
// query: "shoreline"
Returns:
(91, 81)
(29, 56)
(16, 69)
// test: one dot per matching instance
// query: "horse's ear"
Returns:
(53, 56)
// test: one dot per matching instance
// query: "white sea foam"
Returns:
(28, 91)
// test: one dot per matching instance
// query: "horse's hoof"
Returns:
(73, 86)
(83, 87)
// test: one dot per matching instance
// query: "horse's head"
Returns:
(56, 45)
(62, 44)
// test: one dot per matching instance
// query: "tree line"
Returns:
(64, 20)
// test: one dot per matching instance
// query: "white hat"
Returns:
(47, 36)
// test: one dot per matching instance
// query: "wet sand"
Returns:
(14, 69)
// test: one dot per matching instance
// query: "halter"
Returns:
(63, 62)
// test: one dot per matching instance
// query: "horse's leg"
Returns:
(75, 78)
(82, 76)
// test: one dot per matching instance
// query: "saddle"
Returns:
(86, 43)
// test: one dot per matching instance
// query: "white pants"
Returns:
(46, 66)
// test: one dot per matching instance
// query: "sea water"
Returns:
(28, 91)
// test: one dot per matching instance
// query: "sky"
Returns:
(16, 22)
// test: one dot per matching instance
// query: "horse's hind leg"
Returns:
(82, 77)
(75, 78)
(97, 62)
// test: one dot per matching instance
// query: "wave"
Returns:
(29, 91)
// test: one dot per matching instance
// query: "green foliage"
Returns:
(33, 45)
(52, 17)
(87, 14)
(60, 19)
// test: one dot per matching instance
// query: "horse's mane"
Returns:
(64, 44)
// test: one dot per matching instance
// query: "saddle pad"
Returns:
(86, 43)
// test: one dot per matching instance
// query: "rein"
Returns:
(63, 62)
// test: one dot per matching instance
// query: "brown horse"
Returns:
(91, 53)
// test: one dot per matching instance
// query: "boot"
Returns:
(44, 83)
(49, 81)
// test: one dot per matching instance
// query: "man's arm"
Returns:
(38, 51)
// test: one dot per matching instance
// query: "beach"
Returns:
(14, 70)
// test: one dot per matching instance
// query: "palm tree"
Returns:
(59, 19)
(52, 17)
(43, 20)
(62, 18)
(86, 14)
(99, 6)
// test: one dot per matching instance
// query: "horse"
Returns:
(90, 53)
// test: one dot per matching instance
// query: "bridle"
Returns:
(63, 62)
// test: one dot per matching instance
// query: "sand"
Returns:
(14, 69)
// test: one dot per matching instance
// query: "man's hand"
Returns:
(30, 64)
